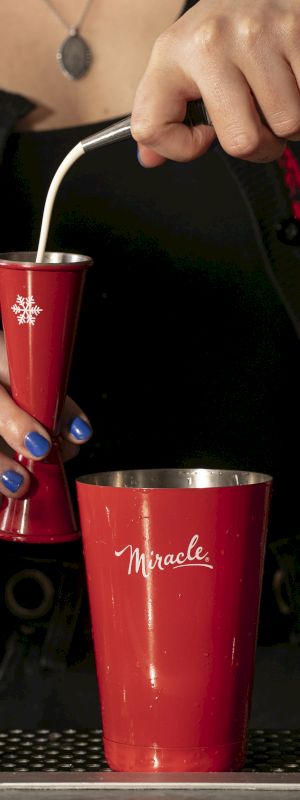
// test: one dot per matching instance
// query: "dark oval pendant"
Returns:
(74, 57)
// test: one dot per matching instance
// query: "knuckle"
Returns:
(164, 51)
(165, 43)
(285, 128)
(208, 35)
(142, 129)
(290, 24)
(249, 31)
(243, 144)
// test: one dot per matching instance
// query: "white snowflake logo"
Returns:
(26, 310)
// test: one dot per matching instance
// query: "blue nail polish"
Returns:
(37, 444)
(12, 480)
(80, 429)
(138, 155)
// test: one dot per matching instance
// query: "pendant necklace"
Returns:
(74, 55)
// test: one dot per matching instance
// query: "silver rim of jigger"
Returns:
(199, 478)
(29, 258)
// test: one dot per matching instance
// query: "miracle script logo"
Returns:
(140, 562)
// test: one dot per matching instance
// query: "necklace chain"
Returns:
(74, 55)
(63, 21)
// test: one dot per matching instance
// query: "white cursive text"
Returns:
(193, 557)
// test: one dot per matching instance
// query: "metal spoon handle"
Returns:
(196, 115)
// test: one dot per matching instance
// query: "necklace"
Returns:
(74, 55)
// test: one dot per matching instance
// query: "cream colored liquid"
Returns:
(65, 165)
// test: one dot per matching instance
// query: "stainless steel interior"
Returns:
(24, 258)
(174, 478)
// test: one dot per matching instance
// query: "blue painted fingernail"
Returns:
(37, 444)
(80, 429)
(138, 155)
(12, 480)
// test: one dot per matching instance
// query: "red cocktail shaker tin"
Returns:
(174, 562)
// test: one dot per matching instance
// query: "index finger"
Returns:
(158, 113)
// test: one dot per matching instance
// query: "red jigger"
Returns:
(40, 306)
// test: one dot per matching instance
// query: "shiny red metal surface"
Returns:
(174, 578)
(40, 306)
(46, 514)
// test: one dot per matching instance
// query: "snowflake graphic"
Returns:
(26, 310)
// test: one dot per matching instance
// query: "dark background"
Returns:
(184, 357)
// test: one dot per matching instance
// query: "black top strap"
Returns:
(12, 108)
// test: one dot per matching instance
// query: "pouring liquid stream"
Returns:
(196, 115)
(65, 165)
(116, 132)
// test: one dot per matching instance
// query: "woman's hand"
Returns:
(243, 58)
(23, 434)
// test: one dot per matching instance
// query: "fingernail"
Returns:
(80, 429)
(37, 444)
(12, 480)
(139, 158)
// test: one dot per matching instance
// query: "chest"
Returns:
(120, 35)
